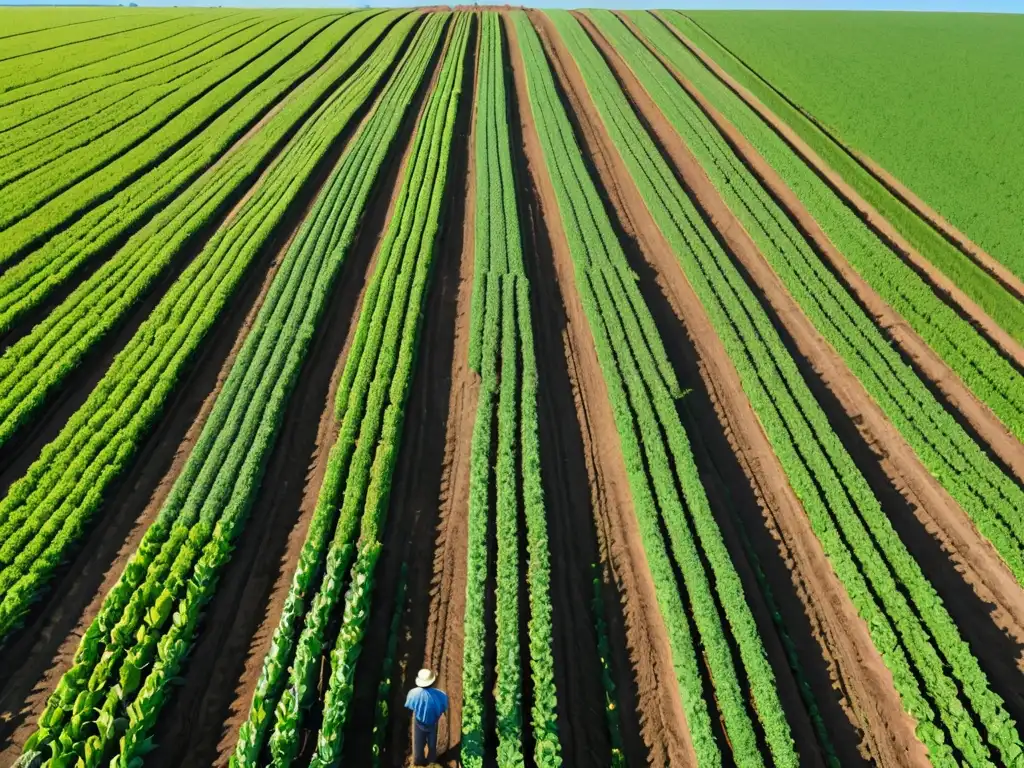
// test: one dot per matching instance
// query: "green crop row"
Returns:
(41, 22)
(972, 279)
(379, 370)
(47, 510)
(911, 628)
(133, 146)
(45, 99)
(990, 497)
(886, 86)
(965, 351)
(604, 652)
(361, 461)
(657, 454)
(31, 58)
(160, 95)
(35, 365)
(501, 348)
(125, 669)
(382, 712)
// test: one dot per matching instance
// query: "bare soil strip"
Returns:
(945, 288)
(45, 647)
(976, 417)
(428, 500)
(662, 723)
(574, 503)
(972, 555)
(874, 705)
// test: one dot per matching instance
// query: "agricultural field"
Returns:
(602, 362)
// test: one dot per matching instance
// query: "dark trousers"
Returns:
(424, 737)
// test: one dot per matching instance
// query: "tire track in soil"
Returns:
(946, 290)
(868, 685)
(46, 645)
(976, 586)
(566, 454)
(975, 417)
(659, 709)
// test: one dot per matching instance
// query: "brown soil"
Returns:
(981, 422)
(954, 236)
(864, 678)
(944, 288)
(974, 557)
(662, 723)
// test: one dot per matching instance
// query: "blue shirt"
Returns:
(427, 704)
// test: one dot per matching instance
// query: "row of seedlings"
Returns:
(140, 107)
(36, 176)
(940, 681)
(47, 510)
(505, 482)
(665, 484)
(336, 567)
(179, 41)
(34, 57)
(108, 702)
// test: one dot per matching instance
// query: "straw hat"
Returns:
(425, 678)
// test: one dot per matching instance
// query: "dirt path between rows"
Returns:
(944, 287)
(976, 417)
(425, 529)
(971, 554)
(576, 506)
(872, 700)
(662, 722)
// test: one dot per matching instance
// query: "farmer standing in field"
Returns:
(427, 704)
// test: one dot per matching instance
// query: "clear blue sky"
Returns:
(984, 6)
